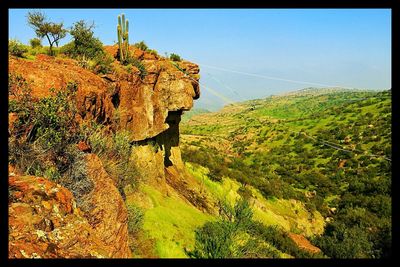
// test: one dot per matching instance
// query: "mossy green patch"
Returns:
(171, 222)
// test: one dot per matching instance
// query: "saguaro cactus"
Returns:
(123, 37)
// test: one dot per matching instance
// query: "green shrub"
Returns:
(83, 62)
(231, 236)
(102, 63)
(244, 192)
(94, 134)
(68, 49)
(237, 235)
(142, 46)
(16, 48)
(54, 120)
(38, 50)
(240, 214)
(84, 43)
(122, 141)
(213, 240)
(138, 64)
(154, 52)
(35, 42)
(175, 57)
(342, 241)
(135, 219)
(43, 139)
(215, 175)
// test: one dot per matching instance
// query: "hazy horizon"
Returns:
(251, 53)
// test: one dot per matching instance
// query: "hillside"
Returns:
(330, 149)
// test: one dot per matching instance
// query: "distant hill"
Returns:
(187, 115)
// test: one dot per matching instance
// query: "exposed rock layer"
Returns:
(45, 214)
(45, 223)
(122, 99)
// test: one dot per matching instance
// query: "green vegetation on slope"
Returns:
(290, 215)
(329, 149)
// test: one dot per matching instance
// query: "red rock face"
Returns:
(109, 215)
(45, 223)
(141, 104)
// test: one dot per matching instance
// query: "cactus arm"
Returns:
(121, 55)
(123, 23)
(127, 38)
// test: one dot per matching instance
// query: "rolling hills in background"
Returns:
(327, 149)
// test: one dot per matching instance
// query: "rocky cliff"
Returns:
(148, 107)
(121, 99)
(44, 222)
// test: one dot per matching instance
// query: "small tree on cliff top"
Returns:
(54, 32)
(84, 41)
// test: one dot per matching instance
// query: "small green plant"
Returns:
(16, 48)
(175, 57)
(17, 85)
(122, 141)
(213, 240)
(35, 43)
(142, 46)
(153, 144)
(68, 49)
(231, 236)
(138, 64)
(245, 192)
(102, 63)
(123, 38)
(83, 62)
(39, 50)
(135, 219)
(154, 52)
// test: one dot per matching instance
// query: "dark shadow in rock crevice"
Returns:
(170, 137)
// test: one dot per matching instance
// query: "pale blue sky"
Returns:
(343, 47)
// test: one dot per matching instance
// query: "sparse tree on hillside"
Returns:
(54, 32)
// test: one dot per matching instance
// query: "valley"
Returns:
(329, 149)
